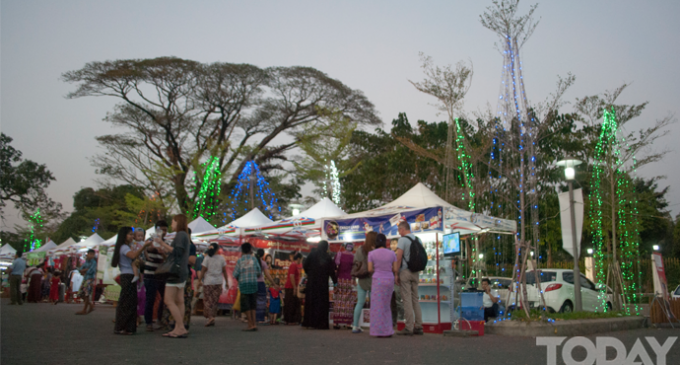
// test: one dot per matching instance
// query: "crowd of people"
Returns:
(153, 267)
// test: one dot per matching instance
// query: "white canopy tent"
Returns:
(200, 225)
(46, 247)
(7, 252)
(254, 218)
(91, 242)
(305, 223)
(63, 247)
(455, 219)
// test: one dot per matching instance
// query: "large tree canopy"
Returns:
(179, 112)
(23, 182)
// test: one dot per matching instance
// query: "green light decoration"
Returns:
(466, 177)
(34, 220)
(209, 191)
(611, 191)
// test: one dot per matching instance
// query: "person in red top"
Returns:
(54, 288)
(291, 303)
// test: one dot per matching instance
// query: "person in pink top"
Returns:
(382, 263)
(344, 298)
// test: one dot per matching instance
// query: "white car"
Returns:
(558, 291)
(676, 292)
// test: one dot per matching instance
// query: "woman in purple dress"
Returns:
(344, 298)
(382, 263)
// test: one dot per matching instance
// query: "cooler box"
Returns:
(472, 299)
(471, 313)
(472, 325)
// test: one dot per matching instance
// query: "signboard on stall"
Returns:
(659, 273)
(105, 273)
(355, 229)
(231, 255)
(35, 258)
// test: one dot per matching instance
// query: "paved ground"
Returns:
(46, 335)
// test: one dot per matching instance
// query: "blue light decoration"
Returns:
(96, 225)
(263, 198)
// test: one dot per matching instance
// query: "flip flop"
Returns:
(186, 335)
(249, 329)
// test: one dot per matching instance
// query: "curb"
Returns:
(566, 328)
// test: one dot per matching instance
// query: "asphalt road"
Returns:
(46, 334)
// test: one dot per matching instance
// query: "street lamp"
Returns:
(569, 175)
(656, 247)
(590, 251)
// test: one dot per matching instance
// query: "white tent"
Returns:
(46, 247)
(110, 242)
(455, 219)
(254, 218)
(91, 242)
(200, 225)
(63, 247)
(7, 252)
(418, 196)
(304, 222)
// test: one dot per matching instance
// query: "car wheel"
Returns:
(609, 306)
(551, 310)
(567, 307)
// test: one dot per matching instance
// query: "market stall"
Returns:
(430, 217)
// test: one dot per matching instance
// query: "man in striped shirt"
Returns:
(154, 258)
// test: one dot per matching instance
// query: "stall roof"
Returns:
(456, 219)
(46, 247)
(302, 223)
(200, 225)
(90, 242)
(63, 246)
(253, 218)
(7, 251)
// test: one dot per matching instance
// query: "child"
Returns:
(274, 303)
(54, 288)
(137, 264)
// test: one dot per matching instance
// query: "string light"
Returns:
(332, 183)
(208, 194)
(96, 225)
(34, 221)
(608, 156)
(267, 200)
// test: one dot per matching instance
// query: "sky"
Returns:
(372, 46)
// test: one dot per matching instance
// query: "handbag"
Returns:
(360, 269)
(301, 288)
(169, 270)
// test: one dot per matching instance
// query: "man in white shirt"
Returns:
(490, 300)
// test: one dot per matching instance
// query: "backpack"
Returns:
(417, 259)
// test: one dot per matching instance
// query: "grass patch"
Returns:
(535, 314)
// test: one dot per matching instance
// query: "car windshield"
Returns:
(546, 276)
(677, 290)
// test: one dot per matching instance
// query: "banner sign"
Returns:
(231, 255)
(659, 274)
(355, 229)
(565, 220)
(35, 258)
(105, 273)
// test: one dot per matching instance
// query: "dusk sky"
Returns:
(371, 46)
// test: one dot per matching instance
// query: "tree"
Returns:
(449, 86)
(107, 208)
(181, 112)
(329, 140)
(388, 169)
(23, 182)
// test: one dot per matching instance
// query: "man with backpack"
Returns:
(412, 260)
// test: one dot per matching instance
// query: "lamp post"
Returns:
(569, 175)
